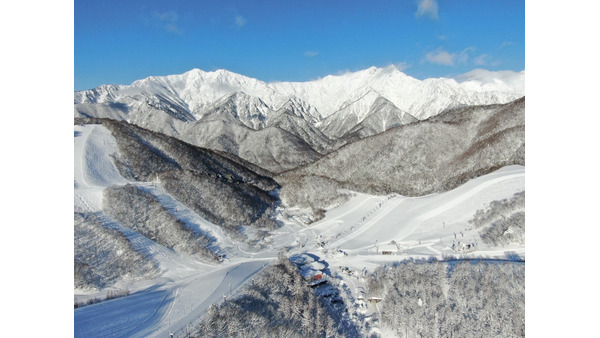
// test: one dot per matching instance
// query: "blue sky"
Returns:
(117, 42)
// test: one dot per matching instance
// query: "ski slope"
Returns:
(350, 236)
(165, 307)
(94, 169)
(186, 287)
(422, 219)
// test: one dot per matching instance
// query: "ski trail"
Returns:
(399, 222)
(80, 146)
(94, 169)
(165, 257)
(389, 207)
(453, 202)
(326, 223)
(192, 220)
(83, 203)
(229, 283)
(163, 303)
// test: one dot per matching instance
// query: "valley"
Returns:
(347, 239)
(190, 189)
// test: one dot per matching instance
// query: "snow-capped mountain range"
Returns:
(354, 92)
(322, 114)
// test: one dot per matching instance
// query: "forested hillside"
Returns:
(104, 255)
(421, 158)
(452, 299)
(278, 303)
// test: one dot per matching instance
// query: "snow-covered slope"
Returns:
(372, 113)
(94, 169)
(239, 107)
(409, 221)
(385, 116)
(419, 98)
(195, 91)
(273, 148)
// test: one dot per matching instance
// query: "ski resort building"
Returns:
(388, 249)
(374, 299)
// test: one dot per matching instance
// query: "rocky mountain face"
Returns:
(380, 116)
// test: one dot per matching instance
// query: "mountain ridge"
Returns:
(324, 114)
(198, 88)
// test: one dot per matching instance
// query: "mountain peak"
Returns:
(379, 71)
(196, 90)
(372, 70)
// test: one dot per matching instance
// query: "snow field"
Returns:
(94, 169)
(418, 222)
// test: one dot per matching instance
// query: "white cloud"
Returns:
(428, 7)
(167, 20)
(505, 44)
(504, 80)
(481, 60)
(311, 53)
(440, 57)
(463, 56)
(401, 66)
(240, 21)
(486, 60)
